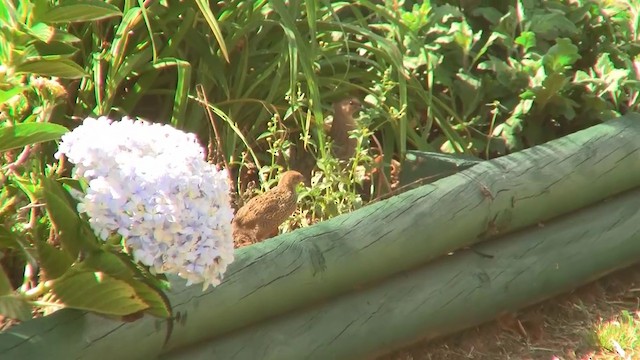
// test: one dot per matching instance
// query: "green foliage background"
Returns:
(255, 79)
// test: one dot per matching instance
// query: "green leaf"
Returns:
(55, 262)
(15, 307)
(63, 36)
(122, 268)
(20, 135)
(11, 305)
(108, 263)
(561, 55)
(64, 217)
(157, 301)
(550, 26)
(426, 167)
(8, 13)
(527, 40)
(81, 10)
(54, 48)
(8, 239)
(63, 68)
(42, 32)
(205, 9)
(98, 292)
(8, 94)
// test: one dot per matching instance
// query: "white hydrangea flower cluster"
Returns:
(150, 184)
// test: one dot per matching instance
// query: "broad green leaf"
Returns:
(20, 135)
(526, 39)
(550, 26)
(121, 267)
(53, 261)
(15, 307)
(64, 217)
(42, 32)
(157, 301)
(8, 94)
(561, 55)
(98, 292)
(63, 68)
(109, 263)
(63, 36)
(11, 305)
(81, 10)
(54, 48)
(157, 281)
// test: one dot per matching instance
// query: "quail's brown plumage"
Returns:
(261, 216)
(344, 147)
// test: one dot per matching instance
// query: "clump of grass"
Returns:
(621, 335)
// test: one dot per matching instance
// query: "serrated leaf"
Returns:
(20, 135)
(81, 10)
(610, 75)
(551, 87)
(526, 39)
(62, 68)
(53, 261)
(98, 292)
(63, 216)
(561, 55)
(15, 307)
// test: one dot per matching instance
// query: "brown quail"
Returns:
(344, 147)
(260, 217)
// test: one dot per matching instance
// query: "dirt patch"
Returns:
(598, 321)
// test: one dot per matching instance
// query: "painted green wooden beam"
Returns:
(313, 264)
(453, 293)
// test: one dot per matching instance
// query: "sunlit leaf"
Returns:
(99, 292)
(63, 68)
(8, 94)
(561, 55)
(120, 267)
(81, 10)
(20, 135)
(526, 39)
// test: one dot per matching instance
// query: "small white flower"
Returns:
(150, 184)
